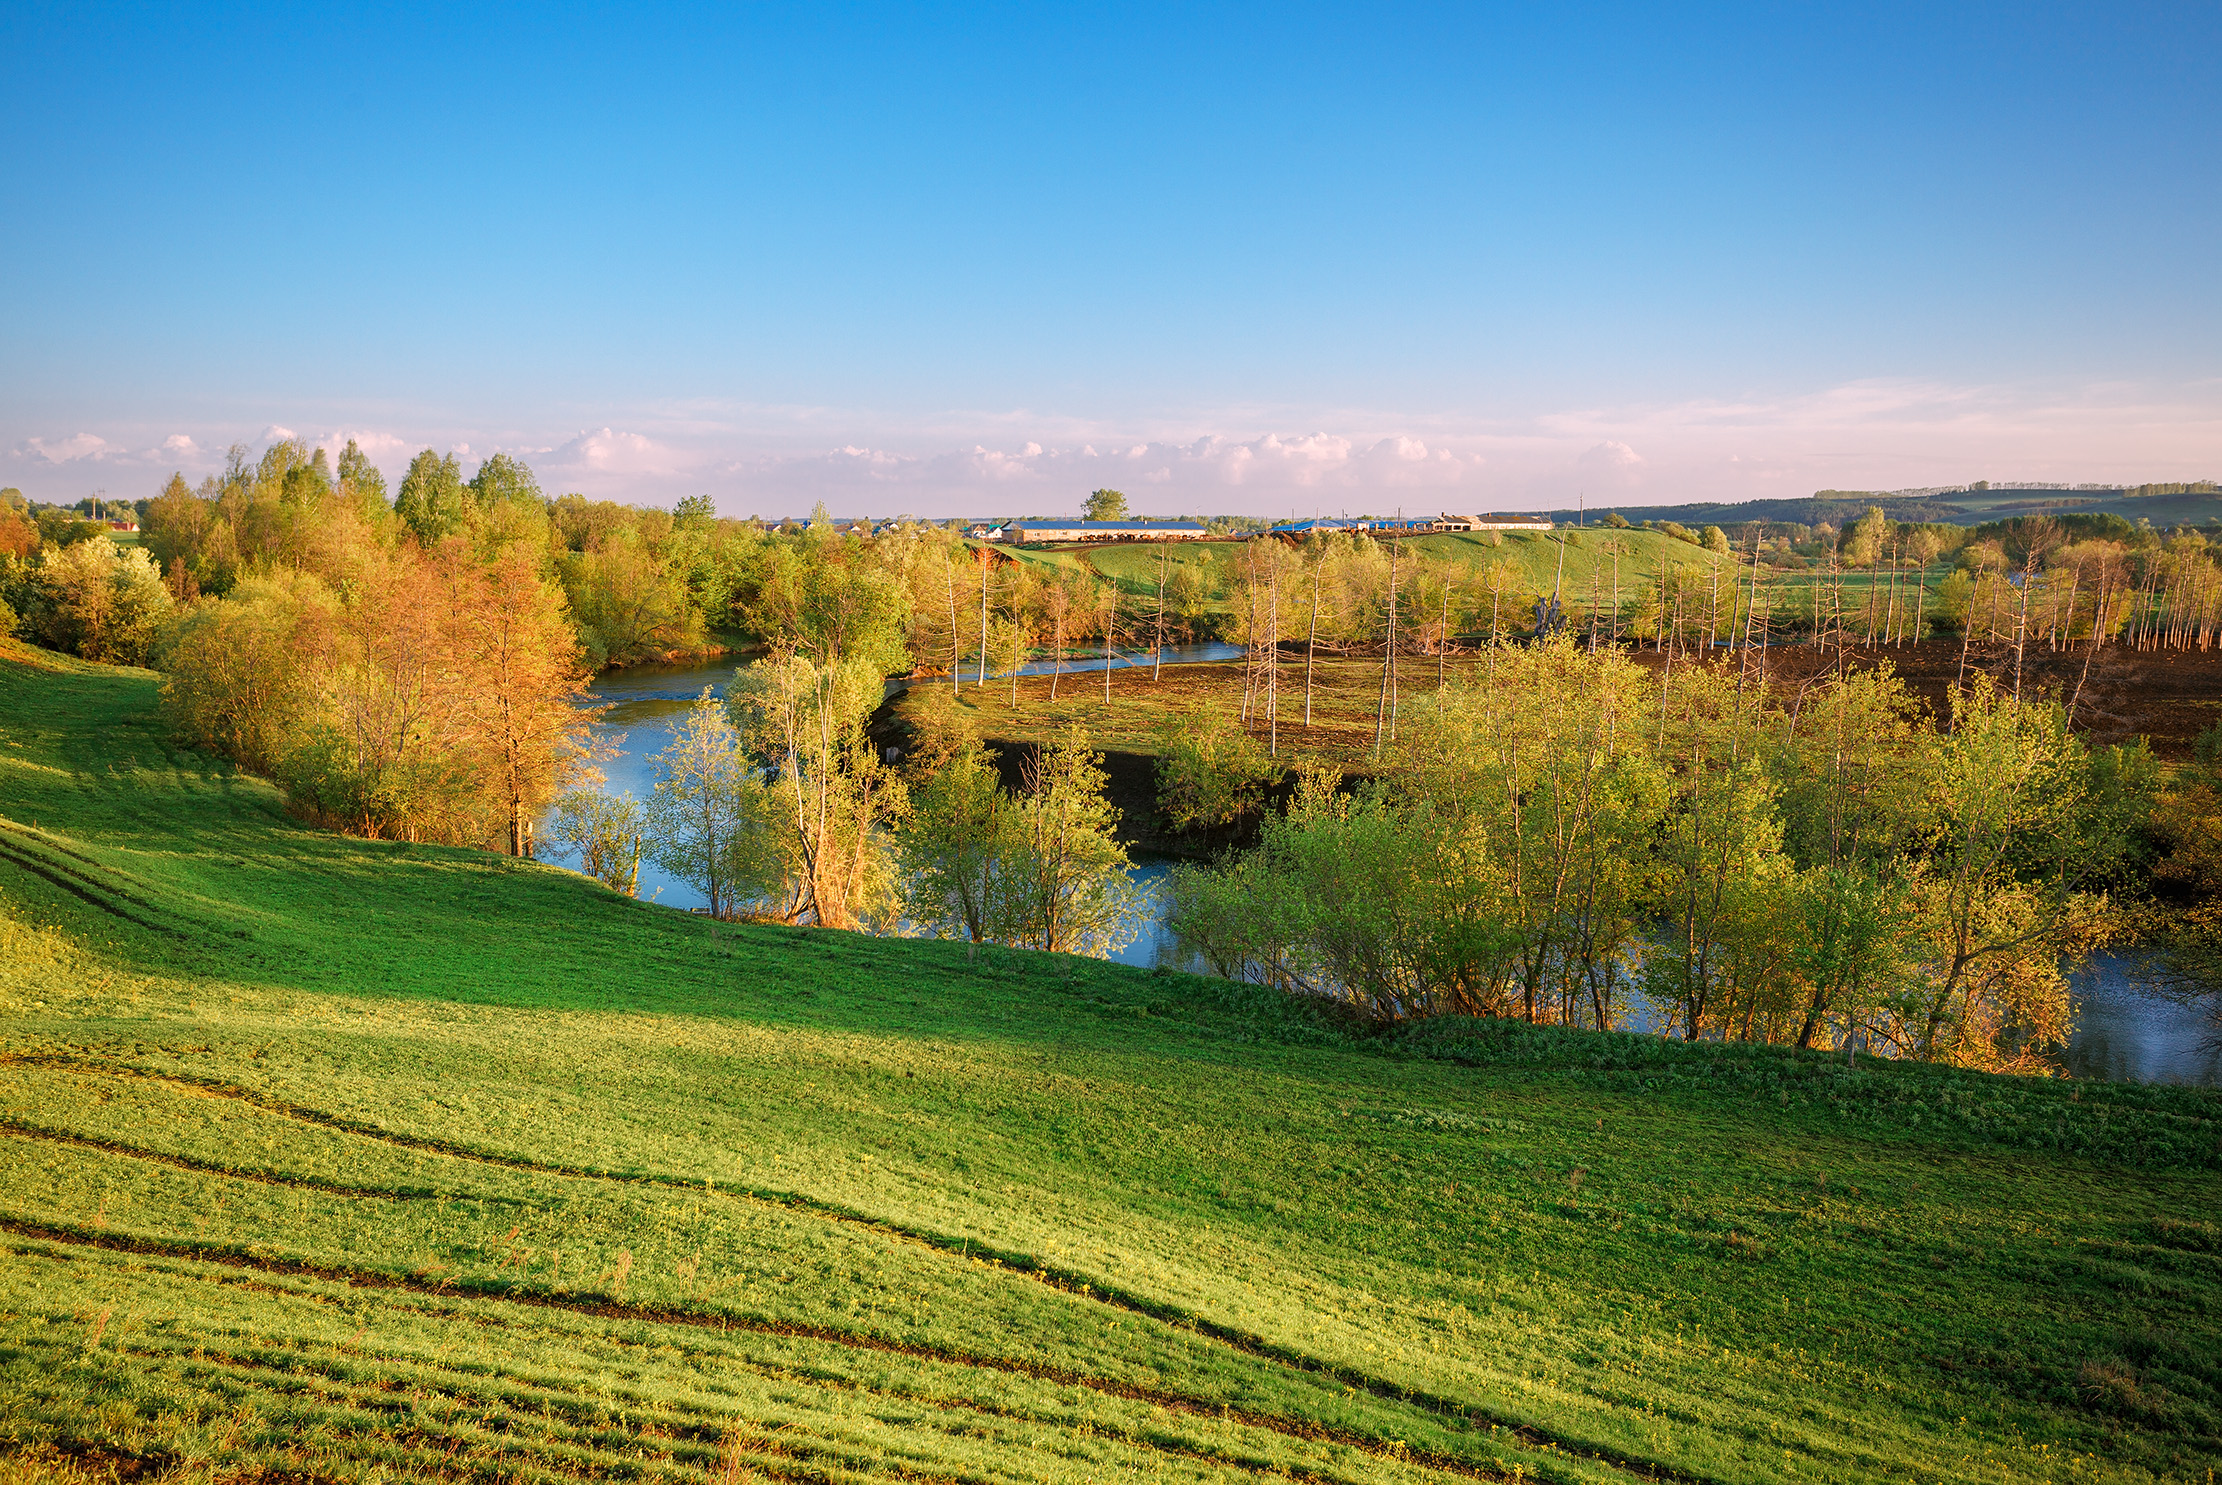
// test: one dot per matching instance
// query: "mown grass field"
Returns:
(323, 1159)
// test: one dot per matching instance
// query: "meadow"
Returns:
(1574, 559)
(1346, 698)
(333, 1159)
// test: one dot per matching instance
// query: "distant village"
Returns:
(1028, 532)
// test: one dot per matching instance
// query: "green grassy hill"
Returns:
(325, 1159)
(1573, 559)
(1957, 508)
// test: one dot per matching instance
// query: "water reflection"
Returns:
(2124, 1032)
(646, 704)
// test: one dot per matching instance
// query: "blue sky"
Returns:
(976, 259)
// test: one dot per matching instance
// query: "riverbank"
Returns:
(298, 1125)
(2165, 696)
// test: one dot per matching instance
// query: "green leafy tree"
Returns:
(961, 849)
(1106, 505)
(235, 679)
(359, 479)
(502, 479)
(1210, 772)
(709, 822)
(2026, 829)
(431, 501)
(1069, 888)
(99, 600)
(608, 832)
(836, 800)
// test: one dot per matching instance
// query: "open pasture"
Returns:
(332, 1159)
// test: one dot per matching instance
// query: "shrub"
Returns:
(1210, 772)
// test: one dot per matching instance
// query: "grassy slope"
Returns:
(330, 1156)
(1534, 557)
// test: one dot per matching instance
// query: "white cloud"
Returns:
(1877, 433)
(377, 447)
(274, 434)
(1611, 454)
(607, 451)
(65, 450)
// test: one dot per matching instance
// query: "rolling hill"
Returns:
(331, 1159)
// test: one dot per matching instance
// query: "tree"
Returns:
(431, 500)
(1210, 772)
(1070, 892)
(835, 798)
(960, 849)
(1106, 505)
(2024, 831)
(609, 833)
(502, 479)
(709, 820)
(99, 600)
(234, 678)
(19, 532)
(1538, 804)
(380, 753)
(360, 480)
(627, 603)
(518, 659)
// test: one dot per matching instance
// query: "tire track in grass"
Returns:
(562, 1425)
(510, 1390)
(10, 1126)
(685, 1423)
(1085, 1287)
(61, 876)
(601, 1307)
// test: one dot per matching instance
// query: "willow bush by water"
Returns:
(1572, 838)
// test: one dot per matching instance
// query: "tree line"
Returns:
(1581, 837)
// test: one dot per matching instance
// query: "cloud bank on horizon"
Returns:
(1864, 436)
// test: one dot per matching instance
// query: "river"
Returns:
(2123, 1033)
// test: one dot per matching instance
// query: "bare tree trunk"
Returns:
(1442, 626)
(1890, 614)
(956, 662)
(1967, 632)
(1615, 625)
(1392, 639)
(1157, 655)
(1273, 659)
(1311, 647)
(1250, 632)
(2021, 620)
(1712, 613)
(1057, 646)
(2098, 613)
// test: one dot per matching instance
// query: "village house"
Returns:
(1068, 530)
